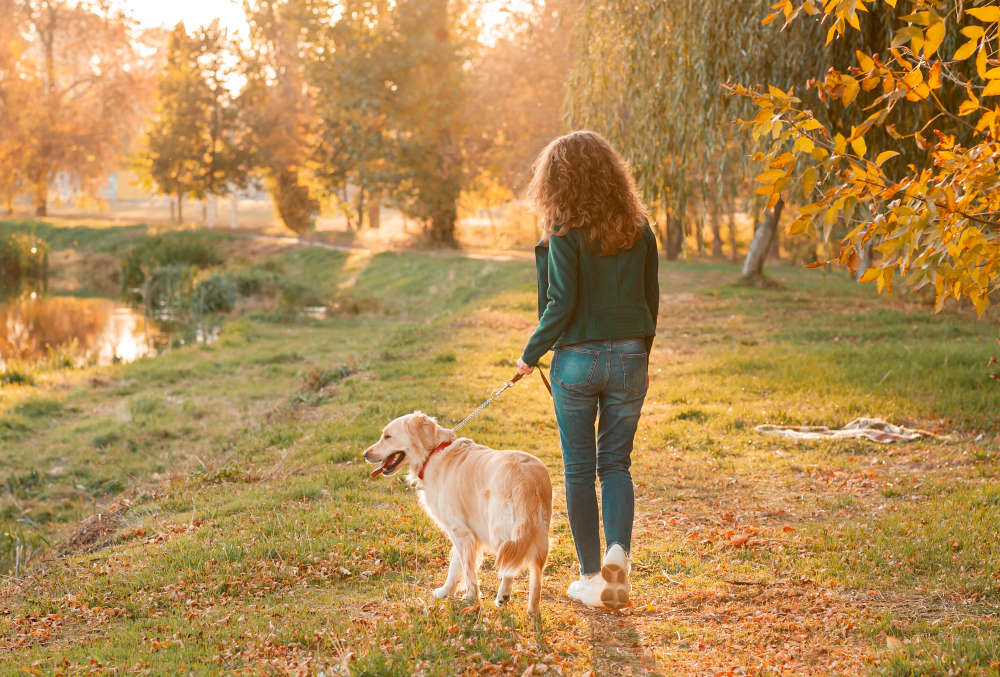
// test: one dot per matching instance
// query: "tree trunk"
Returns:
(867, 258)
(180, 209)
(204, 212)
(774, 252)
(731, 208)
(173, 210)
(716, 231)
(361, 208)
(699, 237)
(753, 266)
(374, 214)
(675, 237)
(41, 198)
(443, 227)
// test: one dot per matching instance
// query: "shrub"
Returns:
(214, 294)
(23, 258)
(166, 250)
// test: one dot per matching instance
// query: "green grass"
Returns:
(239, 528)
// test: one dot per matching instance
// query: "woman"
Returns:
(597, 300)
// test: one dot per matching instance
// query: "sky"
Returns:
(191, 12)
(199, 12)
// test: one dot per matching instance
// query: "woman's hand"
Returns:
(523, 368)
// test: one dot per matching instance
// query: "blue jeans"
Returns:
(606, 378)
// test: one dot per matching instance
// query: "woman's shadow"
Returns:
(617, 648)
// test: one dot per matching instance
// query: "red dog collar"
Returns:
(438, 448)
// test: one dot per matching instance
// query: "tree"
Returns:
(516, 90)
(91, 98)
(428, 115)
(278, 109)
(935, 220)
(354, 75)
(389, 86)
(193, 146)
(176, 140)
(649, 76)
(19, 92)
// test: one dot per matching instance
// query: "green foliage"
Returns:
(214, 294)
(24, 259)
(193, 146)
(168, 249)
(276, 107)
(392, 106)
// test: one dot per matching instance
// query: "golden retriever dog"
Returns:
(484, 500)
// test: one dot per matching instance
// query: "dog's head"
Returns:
(409, 438)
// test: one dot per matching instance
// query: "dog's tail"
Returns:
(513, 553)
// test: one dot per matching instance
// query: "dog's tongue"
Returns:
(377, 471)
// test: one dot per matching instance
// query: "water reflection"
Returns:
(74, 331)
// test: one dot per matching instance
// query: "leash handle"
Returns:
(518, 376)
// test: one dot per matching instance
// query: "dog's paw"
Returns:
(440, 593)
(502, 600)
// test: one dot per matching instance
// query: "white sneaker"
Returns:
(614, 572)
(587, 590)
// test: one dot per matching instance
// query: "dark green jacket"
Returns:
(583, 296)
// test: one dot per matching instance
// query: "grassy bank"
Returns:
(207, 510)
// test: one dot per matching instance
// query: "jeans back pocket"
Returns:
(635, 367)
(574, 368)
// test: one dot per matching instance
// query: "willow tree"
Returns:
(650, 75)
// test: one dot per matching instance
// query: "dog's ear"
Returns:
(427, 432)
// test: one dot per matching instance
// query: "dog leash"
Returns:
(495, 395)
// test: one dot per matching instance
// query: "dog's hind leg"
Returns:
(503, 593)
(535, 586)
(454, 574)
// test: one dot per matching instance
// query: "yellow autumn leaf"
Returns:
(993, 74)
(992, 88)
(913, 78)
(981, 61)
(934, 77)
(851, 90)
(885, 156)
(869, 275)
(839, 144)
(933, 39)
(989, 14)
(803, 144)
(809, 178)
(859, 146)
(865, 61)
(770, 176)
(966, 50)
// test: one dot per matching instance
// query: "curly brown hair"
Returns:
(579, 181)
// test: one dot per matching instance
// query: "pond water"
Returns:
(74, 331)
